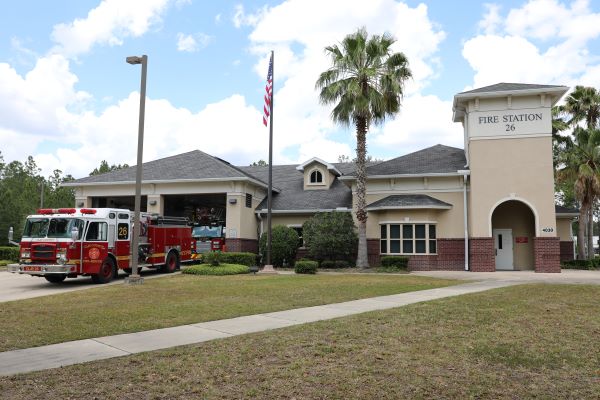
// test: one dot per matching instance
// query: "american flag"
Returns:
(269, 94)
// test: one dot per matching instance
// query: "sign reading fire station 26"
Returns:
(510, 122)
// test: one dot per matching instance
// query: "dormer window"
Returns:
(316, 177)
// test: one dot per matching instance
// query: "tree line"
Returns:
(23, 189)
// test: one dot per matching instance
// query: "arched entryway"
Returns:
(513, 230)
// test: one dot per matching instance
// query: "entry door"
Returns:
(503, 244)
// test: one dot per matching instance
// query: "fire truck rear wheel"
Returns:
(172, 263)
(107, 272)
(55, 278)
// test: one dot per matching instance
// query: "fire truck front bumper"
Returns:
(42, 269)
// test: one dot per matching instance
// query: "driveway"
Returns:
(18, 287)
(567, 276)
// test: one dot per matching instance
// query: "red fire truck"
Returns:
(67, 242)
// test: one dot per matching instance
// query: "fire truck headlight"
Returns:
(61, 256)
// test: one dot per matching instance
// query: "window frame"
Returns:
(318, 173)
(401, 237)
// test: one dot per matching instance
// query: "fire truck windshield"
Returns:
(206, 231)
(52, 227)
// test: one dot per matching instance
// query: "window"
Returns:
(248, 200)
(408, 239)
(97, 232)
(316, 177)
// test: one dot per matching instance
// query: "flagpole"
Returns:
(268, 268)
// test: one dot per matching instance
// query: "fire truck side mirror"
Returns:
(10, 234)
(74, 233)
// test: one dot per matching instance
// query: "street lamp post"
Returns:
(135, 278)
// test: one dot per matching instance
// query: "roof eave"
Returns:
(231, 179)
(312, 211)
(431, 207)
(428, 174)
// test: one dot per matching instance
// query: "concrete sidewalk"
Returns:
(80, 351)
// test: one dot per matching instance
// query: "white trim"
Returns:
(174, 181)
(428, 174)
(329, 166)
(566, 215)
(414, 191)
(408, 208)
(407, 222)
(294, 225)
(531, 207)
(264, 211)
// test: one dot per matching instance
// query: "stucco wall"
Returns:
(563, 229)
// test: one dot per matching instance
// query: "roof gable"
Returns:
(194, 166)
(317, 160)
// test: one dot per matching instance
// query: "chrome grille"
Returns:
(43, 252)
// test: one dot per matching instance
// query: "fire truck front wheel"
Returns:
(107, 272)
(55, 278)
(172, 263)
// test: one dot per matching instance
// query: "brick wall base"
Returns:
(450, 256)
(244, 245)
(373, 252)
(546, 252)
(481, 254)
(566, 250)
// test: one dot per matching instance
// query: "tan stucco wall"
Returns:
(518, 217)
(563, 229)
(505, 169)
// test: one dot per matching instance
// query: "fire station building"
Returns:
(487, 207)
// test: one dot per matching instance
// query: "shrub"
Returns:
(330, 236)
(306, 267)
(327, 264)
(283, 245)
(212, 258)
(248, 259)
(223, 269)
(342, 264)
(9, 253)
(394, 261)
(581, 264)
(330, 264)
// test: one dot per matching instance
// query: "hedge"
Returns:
(306, 267)
(394, 261)
(581, 264)
(335, 264)
(10, 253)
(223, 269)
(247, 259)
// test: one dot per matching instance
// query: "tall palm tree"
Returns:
(581, 164)
(583, 106)
(366, 84)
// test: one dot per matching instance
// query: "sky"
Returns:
(69, 99)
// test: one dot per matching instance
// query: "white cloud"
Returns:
(241, 18)
(492, 19)
(107, 24)
(192, 42)
(218, 19)
(298, 35)
(513, 53)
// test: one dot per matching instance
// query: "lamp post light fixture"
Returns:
(135, 278)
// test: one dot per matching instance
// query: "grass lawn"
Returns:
(182, 299)
(535, 341)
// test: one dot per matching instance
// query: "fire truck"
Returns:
(68, 242)
(208, 231)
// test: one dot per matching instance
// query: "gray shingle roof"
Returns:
(293, 196)
(432, 160)
(408, 201)
(565, 210)
(504, 86)
(194, 165)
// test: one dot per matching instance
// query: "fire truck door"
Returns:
(112, 230)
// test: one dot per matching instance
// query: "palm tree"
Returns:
(366, 84)
(583, 105)
(581, 164)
